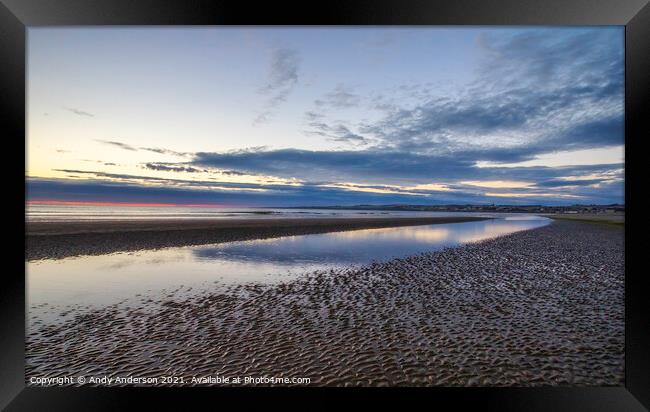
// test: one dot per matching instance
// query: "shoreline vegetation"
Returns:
(57, 240)
(538, 307)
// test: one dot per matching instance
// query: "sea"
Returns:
(73, 213)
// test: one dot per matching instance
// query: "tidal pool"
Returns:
(58, 288)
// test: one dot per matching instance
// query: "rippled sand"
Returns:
(540, 307)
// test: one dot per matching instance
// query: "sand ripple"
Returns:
(540, 307)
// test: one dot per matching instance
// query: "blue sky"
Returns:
(321, 116)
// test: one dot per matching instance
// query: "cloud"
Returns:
(117, 144)
(550, 56)
(609, 131)
(98, 161)
(232, 172)
(569, 183)
(164, 151)
(410, 172)
(383, 166)
(341, 97)
(312, 116)
(147, 181)
(337, 133)
(148, 149)
(537, 91)
(208, 192)
(431, 187)
(498, 184)
(111, 191)
(284, 69)
(322, 177)
(282, 78)
(172, 168)
(533, 195)
(79, 112)
(280, 195)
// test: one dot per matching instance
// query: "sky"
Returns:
(293, 116)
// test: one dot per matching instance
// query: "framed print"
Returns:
(221, 199)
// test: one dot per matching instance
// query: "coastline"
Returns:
(534, 308)
(57, 240)
(598, 218)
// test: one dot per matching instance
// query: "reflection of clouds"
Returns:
(165, 259)
(454, 232)
(528, 218)
(117, 265)
(493, 230)
(359, 234)
(358, 246)
(427, 235)
(402, 233)
(152, 258)
(276, 254)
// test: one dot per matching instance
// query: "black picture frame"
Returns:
(17, 15)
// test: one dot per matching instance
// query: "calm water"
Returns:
(94, 281)
(39, 213)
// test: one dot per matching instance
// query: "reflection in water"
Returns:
(361, 246)
(108, 279)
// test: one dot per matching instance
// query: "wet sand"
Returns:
(538, 307)
(56, 240)
(606, 218)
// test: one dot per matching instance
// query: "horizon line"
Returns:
(54, 202)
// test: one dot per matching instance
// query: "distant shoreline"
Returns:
(611, 219)
(57, 240)
(473, 208)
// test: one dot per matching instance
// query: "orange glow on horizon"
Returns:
(126, 204)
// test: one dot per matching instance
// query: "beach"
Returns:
(55, 240)
(538, 307)
(607, 218)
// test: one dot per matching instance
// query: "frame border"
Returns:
(18, 15)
